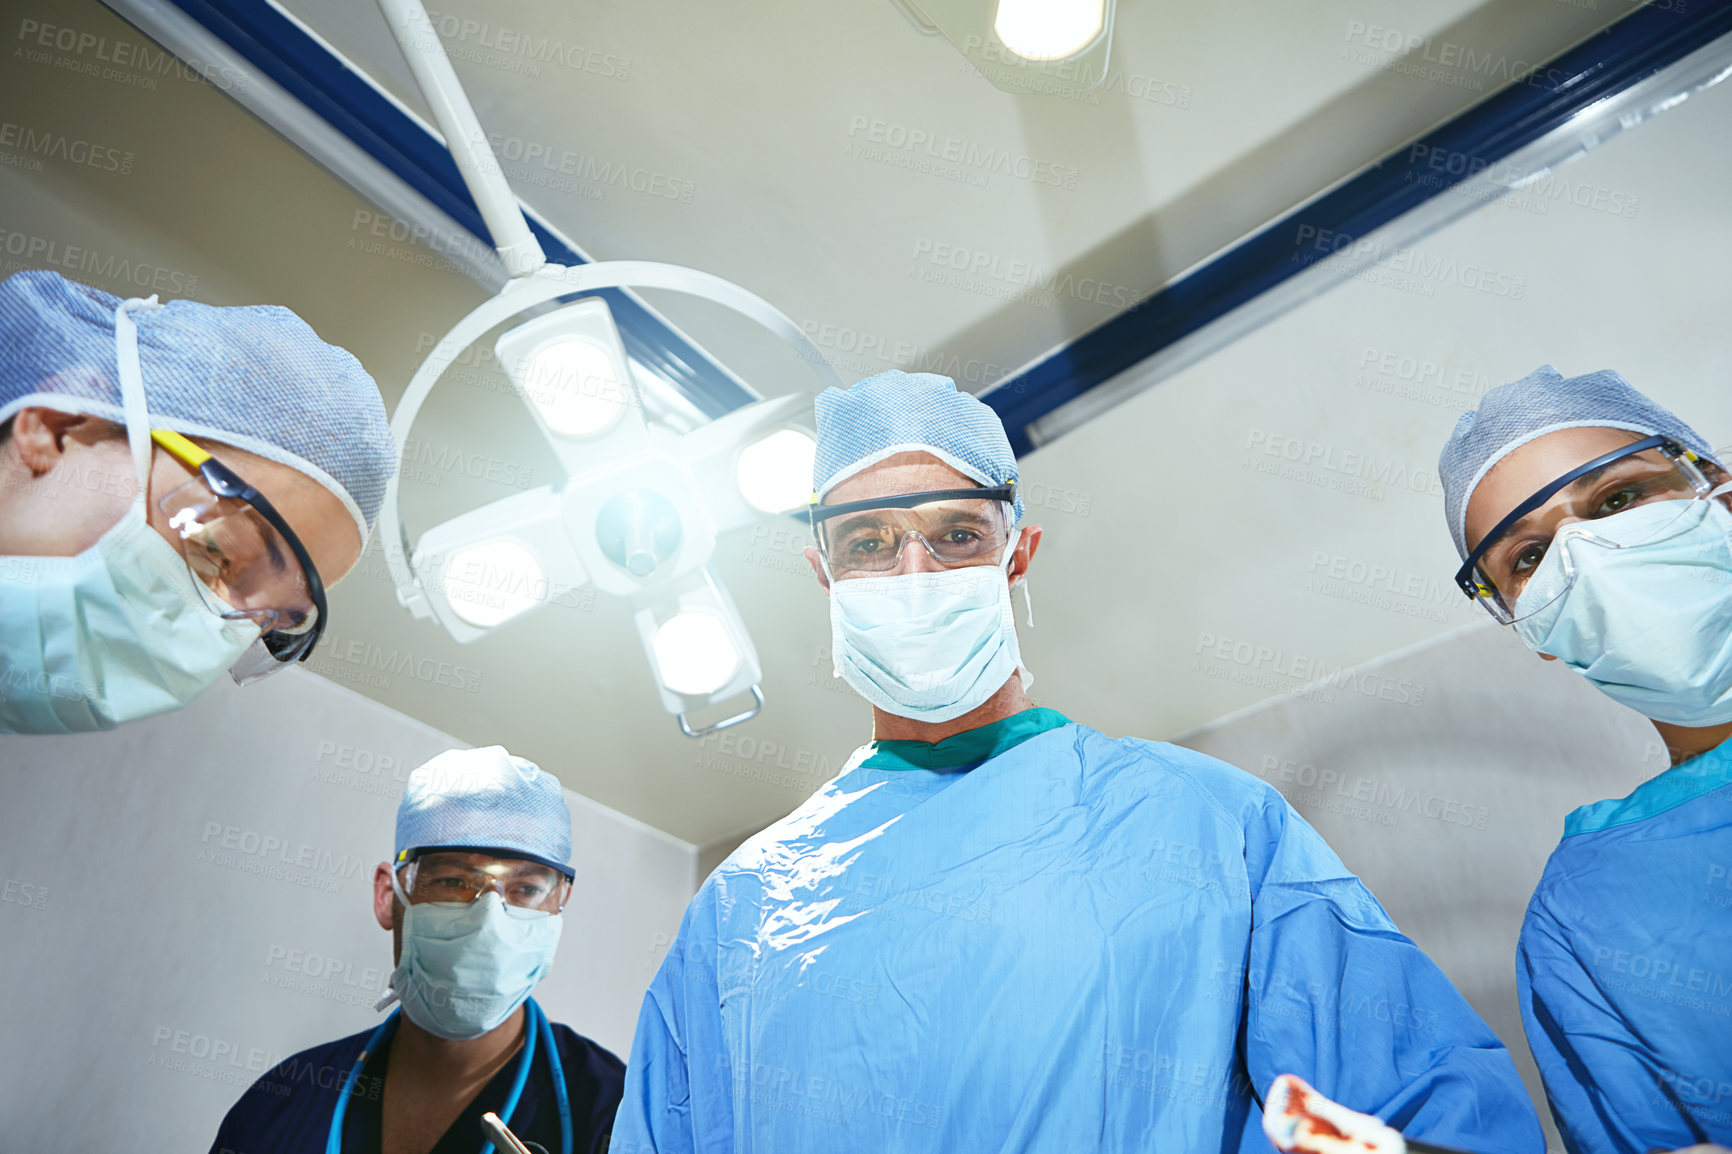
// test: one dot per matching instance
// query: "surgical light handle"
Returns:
(726, 722)
(464, 136)
(551, 282)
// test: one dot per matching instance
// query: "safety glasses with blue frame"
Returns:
(1503, 572)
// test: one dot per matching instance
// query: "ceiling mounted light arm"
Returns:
(464, 136)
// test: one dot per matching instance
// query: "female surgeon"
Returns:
(178, 485)
(1598, 524)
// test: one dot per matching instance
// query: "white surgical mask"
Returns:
(1650, 625)
(113, 634)
(927, 646)
(466, 967)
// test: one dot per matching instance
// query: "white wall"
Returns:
(1442, 775)
(185, 900)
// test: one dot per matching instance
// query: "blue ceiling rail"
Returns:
(280, 49)
(1634, 48)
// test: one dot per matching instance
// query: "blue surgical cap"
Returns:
(896, 412)
(485, 799)
(1543, 402)
(254, 377)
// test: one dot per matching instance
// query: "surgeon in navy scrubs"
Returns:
(474, 900)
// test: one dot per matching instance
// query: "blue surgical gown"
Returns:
(1625, 966)
(1049, 941)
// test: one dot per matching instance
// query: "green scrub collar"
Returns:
(964, 749)
(1686, 781)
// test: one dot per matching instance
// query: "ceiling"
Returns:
(1170, 526)
(760, 123)
(778, 126)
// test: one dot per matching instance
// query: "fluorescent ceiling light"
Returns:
(1059, 48)
(489, 584)
(573, 385)
(775, 473)
(1049, 29)
(694, 653)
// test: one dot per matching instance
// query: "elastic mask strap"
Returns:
(132, 387)
(390, 995)
(1719, 490)
(1009, 553)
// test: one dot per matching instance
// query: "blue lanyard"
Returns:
(537, 1025)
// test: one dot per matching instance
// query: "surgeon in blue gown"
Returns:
(1599, 525)
(998, 929)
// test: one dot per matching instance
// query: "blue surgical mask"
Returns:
(466, 967)
(926, 646)
(113, 634)
(1650, 625)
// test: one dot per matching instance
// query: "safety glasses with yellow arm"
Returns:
(245, 561)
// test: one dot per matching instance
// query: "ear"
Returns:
(1023, 555)
(384, 897)
(40, 435)
(817, 564)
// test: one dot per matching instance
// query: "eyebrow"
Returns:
(467, 862)
(876, 519)
(276, 554)
(1571, 491)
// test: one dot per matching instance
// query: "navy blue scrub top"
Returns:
(288, 1110)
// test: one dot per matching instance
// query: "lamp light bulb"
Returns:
(489, 584)
(775, 473)
(1048, 29)
(694, 653)
(573, 384)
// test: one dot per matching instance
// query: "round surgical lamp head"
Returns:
(694, 653)
(573, 384)
(1049, 29)
(775, 472)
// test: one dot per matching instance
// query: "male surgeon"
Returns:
(1597, 523)
(473, 899)
(1000, 930)
(178, 486)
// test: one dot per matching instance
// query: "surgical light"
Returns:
(645, 490)
(487, 585)
(775, 474)
(1048, 29)
(572, 384)
(694, 653)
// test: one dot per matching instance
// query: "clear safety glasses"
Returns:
(956, 527)
(1504, 573)
(459, 878)
(246, 562)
